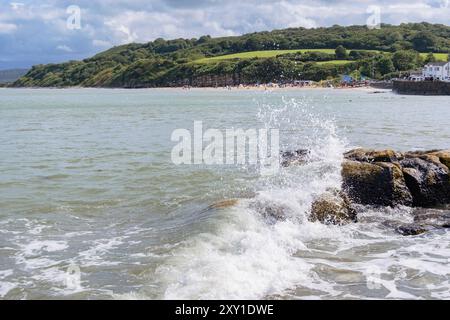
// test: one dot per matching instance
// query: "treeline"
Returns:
(173, 62)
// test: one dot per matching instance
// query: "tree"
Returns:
(430, 58)
(423, 41)
(341, 52)
(253, 44)
(204, 39)
(406, 60)
(385, 65)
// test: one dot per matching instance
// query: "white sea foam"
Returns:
(5, 286)
(37, 247)
(95, 256)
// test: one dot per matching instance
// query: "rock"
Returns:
(224, 204)
(368, 155)
(379, 183)
(432, 217)
(400, 192)
(427, 179)
(333, 207)
(271, 212)
(406, 229)
(298, 157)
(411, 229)
(444, 157)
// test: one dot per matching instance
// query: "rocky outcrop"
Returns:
(378, 183)
(333, 207)
(389, 178)
(428, 181)
(384, 178)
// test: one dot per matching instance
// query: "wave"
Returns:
(247, 256)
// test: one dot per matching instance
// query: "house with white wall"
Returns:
(437, 71)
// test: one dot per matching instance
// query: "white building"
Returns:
(437, 71)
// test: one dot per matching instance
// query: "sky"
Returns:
(48, 31)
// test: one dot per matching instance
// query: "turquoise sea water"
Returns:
(86, 180)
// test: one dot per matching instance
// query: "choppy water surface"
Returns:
(86, 180)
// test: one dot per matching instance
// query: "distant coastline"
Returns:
(280, 56)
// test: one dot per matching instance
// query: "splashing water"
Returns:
(247, 257)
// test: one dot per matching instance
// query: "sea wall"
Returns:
(432, 88)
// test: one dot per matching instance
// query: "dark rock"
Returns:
(411, 229)
(427, 179)
(333, 207)
(289, 158)
(406, 229)
(379, 183)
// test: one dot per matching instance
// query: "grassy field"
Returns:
(259, 54)
(274, 53)
(336, 62)
(438, 56)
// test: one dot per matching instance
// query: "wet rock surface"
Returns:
(369, 155)
(428, 180)
(333, 207)
(411, 229)
(389, 178)
(379, 183)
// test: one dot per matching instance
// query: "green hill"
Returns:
(279, 55)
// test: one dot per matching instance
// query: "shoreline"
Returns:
(246, 88)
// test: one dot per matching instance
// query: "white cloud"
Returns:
(101, 43)
(7, 28)
(64, 48)
(37, 29)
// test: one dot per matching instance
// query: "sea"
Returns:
(92, 205)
